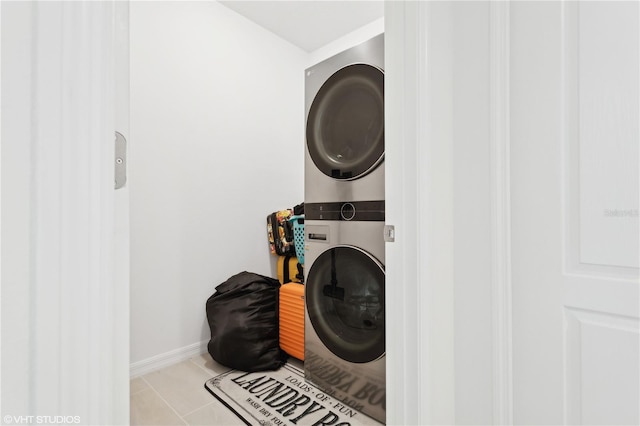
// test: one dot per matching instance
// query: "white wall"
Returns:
(217, 143)
(354, 38)
(217, 108)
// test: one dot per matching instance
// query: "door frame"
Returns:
(419, 203)
(419, 270)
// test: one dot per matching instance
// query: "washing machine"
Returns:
(345, 310)
(344, 111)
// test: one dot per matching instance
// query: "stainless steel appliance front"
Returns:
(344, 112)
(345, 312)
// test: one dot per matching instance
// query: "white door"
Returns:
(574, 140)
(64, 309)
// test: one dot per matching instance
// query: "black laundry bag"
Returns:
(243, 318)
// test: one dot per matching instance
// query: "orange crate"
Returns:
(292, 319)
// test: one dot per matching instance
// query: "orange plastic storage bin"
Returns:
(292, 319)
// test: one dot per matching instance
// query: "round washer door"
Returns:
(344, 294)
(345, 125)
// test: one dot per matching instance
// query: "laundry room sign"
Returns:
(281, 398)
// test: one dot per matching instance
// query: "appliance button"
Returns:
(347, 211)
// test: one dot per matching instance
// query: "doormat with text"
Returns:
(281, 398)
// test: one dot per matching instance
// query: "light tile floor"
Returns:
(176, 395)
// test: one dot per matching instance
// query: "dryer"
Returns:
(344, 111)
(345, 311)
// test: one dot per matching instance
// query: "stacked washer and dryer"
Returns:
(344, 223)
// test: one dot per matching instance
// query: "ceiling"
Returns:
(309, 24)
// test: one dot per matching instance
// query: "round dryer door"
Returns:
(345, 125)
(345, 303)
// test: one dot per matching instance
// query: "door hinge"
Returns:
(120, 160)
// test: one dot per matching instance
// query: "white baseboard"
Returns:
(157, 362)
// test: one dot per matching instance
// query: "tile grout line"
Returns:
(209, 372)
(165, 401)
(199, 408)
(155, 391)
(139, 390)
(201, 367)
